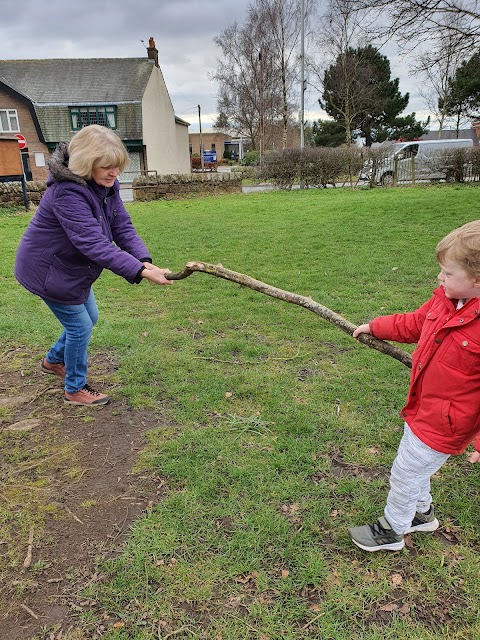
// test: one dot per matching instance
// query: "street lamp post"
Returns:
(302, 81)
(302, 74)
(201, 140)
(261, 112)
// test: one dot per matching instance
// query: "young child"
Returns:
(442, 413)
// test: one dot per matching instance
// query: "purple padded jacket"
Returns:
(78, 229)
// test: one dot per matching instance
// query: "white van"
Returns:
(417, 160)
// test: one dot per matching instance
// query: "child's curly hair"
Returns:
(462, 246)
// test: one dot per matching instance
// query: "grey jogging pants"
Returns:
(410, 477)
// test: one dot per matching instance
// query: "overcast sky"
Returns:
(183, 31)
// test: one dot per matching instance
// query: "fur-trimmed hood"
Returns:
(78, 229)
(58, 167)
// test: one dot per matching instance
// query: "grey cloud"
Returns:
(183, 31)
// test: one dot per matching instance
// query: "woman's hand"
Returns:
(363, 328)
(155, 275)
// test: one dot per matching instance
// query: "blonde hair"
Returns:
(463, 246)
(95, 146)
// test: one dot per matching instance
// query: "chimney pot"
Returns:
(152, 51)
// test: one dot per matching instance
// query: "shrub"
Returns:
(475, 159)
(322, 166)
(317, 166)
(457, 162)
(251, 157)
(374, 159)
(283, 167)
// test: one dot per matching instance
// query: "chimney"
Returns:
(152, 51)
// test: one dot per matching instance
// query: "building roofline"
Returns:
(29, 104)
(71, 59)
(103, 103)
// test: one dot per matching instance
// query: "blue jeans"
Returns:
(72, 346)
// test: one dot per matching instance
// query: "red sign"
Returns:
(22, 143)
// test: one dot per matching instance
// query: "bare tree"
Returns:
(258, 69)
(412, 22)
(281, 20)
(435, 90)
(341, 28)
(437, 67)
(247, 78)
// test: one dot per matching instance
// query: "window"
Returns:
(83, 116)
(410, 151)
(8, 120)
(213, 146)
(40, 159)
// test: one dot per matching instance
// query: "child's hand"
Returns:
(363, 328)
(475, 457)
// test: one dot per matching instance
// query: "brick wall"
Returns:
(27, 129)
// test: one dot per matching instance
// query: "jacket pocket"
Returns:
(461, 353)
(67, 281)
(446, 417)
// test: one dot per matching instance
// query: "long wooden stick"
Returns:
(219, 271)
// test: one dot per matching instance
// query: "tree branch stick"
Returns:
(287, 296)
(28, 559)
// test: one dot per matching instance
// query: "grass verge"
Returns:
(285, 427)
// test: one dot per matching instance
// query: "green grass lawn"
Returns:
(282, 428)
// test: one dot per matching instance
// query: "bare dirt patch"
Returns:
(68, 494)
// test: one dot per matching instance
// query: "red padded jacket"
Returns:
(443, 403)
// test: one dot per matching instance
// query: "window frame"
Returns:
(8, 116)
(87, 110)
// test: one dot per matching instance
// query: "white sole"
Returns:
(394, 546)
(427, 526)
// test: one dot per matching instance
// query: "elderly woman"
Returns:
(80, 228)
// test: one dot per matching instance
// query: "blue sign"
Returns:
(209, 156)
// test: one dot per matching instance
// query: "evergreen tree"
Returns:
(327, 133)
(403, 128)
(360, 94)
(464, 96)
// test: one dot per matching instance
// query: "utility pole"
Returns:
(261, 108)
(302, 82)
(302, 74)
(201, 140)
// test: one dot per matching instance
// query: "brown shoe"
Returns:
(56, 369)
(87, 397)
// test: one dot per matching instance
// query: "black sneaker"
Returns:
(424, 522)
(377, 537)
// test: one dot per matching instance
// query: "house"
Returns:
(47, 101)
